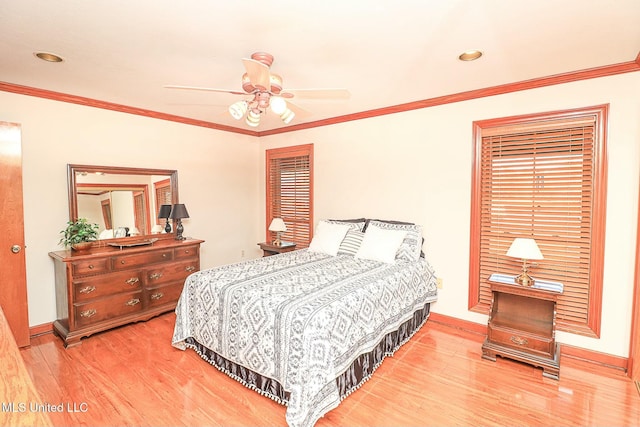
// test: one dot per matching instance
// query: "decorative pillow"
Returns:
(380, 244)
(328, 237)
(354, 224)
(351, 242)
(411, 246)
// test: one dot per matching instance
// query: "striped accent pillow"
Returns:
(351, 242)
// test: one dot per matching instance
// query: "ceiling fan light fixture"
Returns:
(278, 104)
(253, 118)
(276, 83)
(287, 116)
(238, 109)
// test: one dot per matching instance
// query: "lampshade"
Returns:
(165, 211)
(238, 109)
(179, 211)
(287, 116)
(277, 225)
(524, 249)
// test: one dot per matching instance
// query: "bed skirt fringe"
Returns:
(352, 379)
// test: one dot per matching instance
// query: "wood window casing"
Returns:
(542, 176)
(289, 192)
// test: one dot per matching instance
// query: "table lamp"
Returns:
(525, 249)
(165, 211)
(278, 226)
(179, 211)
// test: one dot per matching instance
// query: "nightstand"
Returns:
(522, 326)
(269, 249)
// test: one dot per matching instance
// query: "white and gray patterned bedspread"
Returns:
(301, 317)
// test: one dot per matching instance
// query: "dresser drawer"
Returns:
(121, 262)
(100, 286)
(90, 267)
(108, 308)
(522, 341)
(171, 273)
(192, 251)
(164, 294)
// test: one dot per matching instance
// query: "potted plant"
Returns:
(79, 234)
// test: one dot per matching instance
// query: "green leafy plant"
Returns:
(77, 232)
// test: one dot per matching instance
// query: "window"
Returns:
(289, 180)
(544, 177)
(162, 190)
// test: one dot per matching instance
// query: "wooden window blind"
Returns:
(290, 192)
(139, 209)
(542, 177)
(163, 194)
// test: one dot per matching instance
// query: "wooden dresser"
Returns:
(106, 287)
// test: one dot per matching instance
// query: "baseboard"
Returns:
(45, 328)
(454, 322)
(603, 359)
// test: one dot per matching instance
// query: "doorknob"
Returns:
(16, 248)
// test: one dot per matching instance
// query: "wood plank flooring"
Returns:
(131, 376)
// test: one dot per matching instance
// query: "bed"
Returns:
(307, 328)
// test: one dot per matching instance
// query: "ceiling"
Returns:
(384, 52)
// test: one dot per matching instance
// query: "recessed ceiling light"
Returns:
(470, 55)
(49, 57)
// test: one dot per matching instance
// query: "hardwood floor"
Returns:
(132, 376)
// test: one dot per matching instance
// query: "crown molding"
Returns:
(591, 73)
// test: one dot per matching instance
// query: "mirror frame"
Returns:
(72, 169)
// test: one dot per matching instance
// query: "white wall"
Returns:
(416, 166)
(217, 178)
(413, 166)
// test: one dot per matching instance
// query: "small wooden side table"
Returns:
(522, 326)
(269, 249)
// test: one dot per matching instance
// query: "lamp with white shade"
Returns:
(277, 225)
(525, 249)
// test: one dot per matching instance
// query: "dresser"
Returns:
(522, 326)
(107, 286)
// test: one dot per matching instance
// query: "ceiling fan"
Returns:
(266, 89)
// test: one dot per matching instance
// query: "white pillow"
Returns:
(328, 237)
(380, 244)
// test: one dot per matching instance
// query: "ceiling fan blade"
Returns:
(299, 111)
(320, 93)
(208, 89)
(258, 73)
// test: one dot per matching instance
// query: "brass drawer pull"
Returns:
(186, 251)
(190, 268)
(88, 313)
(132, 302)
(91, 267)
(155, 276)
(164, 255)
(122, 261)
(519, 341)
(157, 296)
(87, 289)
(132, 281)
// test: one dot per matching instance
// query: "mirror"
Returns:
(124, 202)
